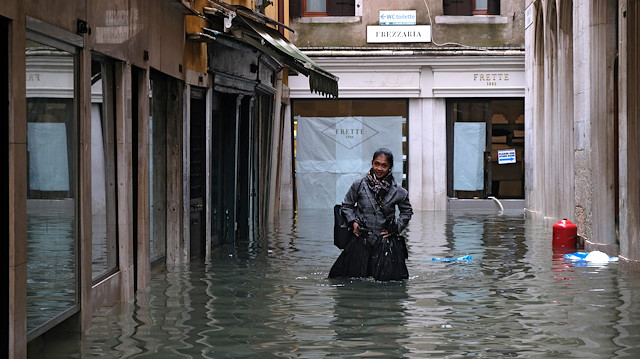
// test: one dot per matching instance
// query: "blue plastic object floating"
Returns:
(463, 258)
(591, 257)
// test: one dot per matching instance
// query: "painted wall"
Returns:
(506, 29)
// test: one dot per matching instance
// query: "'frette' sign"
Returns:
(349, 132)
(398, 33)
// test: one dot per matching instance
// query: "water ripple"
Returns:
(272, 298)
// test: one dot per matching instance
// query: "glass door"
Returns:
(485, 145)
(468, 146)
(52, 158)
(506, 170)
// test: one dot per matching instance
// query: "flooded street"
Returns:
(271, 298)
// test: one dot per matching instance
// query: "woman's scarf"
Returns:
(379, 187)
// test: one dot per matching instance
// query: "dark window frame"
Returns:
(468, 8)
(333, 8)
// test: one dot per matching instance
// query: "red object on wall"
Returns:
(565, 234)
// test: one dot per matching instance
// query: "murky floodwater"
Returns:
(271, 298)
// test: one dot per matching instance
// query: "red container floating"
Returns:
(565, 234)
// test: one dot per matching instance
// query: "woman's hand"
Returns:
(385, 233)
(355, 229)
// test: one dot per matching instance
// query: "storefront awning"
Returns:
(320, 80)
(253, 30)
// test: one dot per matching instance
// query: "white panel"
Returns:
(48, 156)
(332, 152)
(468, 149)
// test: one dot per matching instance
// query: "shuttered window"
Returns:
(308, 8)
(471, 7)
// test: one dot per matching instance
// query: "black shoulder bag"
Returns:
(342, 234)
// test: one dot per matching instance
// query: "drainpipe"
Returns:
(498, 202)
(280, 5)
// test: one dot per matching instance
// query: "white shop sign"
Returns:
(398, 33)
(506, 156)
(404, 17)
(470, 82)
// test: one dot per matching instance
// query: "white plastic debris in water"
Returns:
(597, 257)
(591, 257)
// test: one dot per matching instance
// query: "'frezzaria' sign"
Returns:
(399, 33)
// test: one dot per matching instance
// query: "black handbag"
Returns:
(342, 234)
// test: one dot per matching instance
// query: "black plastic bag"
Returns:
(353, 262)
(388, 259)
(342, 234)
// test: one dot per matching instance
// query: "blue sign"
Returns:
(400, 17)
(507, 156)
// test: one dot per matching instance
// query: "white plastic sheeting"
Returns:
(469, 142)
(48, 157)
(332, 152)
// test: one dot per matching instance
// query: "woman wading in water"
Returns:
(378, 249)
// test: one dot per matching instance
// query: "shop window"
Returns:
(103, 157)
(471, 7)
(485, 144)
(334, 141)
(311, 8)
(52, 185)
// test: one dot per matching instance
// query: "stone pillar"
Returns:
(175, 176)
(272, 209)
(534, 107)
(548, 122)
(143, 228)
(593, 123)
(427, 154)
(564, 136)
(17, 187)
(550, 148)
(124, 180)
(286, 177)
(629, 75)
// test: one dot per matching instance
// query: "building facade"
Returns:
(139, 134)
(451, 73)
(582, 98)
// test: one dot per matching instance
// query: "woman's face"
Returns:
(381, 166)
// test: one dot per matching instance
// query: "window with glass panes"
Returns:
(471, 7)
(310, 8)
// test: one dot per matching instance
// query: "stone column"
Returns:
(17, 187)
(175, 173)
(593, 123)
(427, 154)
(143, 227)
(629, 75)
(534, 107)
(124, 180)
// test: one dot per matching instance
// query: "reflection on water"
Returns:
(51, 260)
(272, 298)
